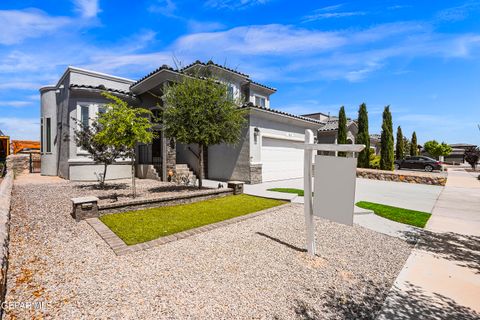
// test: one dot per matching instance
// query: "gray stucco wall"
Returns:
(48, 105)
(67, 161)
(227, 162)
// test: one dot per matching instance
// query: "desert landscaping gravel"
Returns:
(255, 269)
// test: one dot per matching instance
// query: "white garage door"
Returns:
(279, 161)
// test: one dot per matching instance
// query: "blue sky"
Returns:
(420, 57)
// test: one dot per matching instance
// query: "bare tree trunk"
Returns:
(102, 181)
(134, 190)
(200, 165)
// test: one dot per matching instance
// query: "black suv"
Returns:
(418, 162)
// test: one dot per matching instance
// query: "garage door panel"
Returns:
(280, 162)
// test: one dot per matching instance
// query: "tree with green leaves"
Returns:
(363, 137)
(86, 137)
(342, 129)
(413, 145)
(399, 151)
(472, 156)
(123, 126)
(200, 111)
(406, 146)
(386, 141)
(436, 149)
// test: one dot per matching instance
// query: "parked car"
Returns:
(418, 162)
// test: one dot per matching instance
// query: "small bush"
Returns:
(375, 162)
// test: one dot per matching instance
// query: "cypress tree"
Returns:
(387, 154)
(342, 129)
(363, 137)
(399, 153)
(413, 145)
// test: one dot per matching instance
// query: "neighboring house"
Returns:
(458, 152)
(375, 143)
(263, 153)
(4, 146)
(328, 131)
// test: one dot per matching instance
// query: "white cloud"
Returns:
(262, 39)
(459, 13)
(21, 128)
(15, 103)
(165, 7)
(18, 25)
(328, 15)
(204, 26)
(20, 85)
(87, 8)
(234, 4)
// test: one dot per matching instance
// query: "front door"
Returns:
(157, 150)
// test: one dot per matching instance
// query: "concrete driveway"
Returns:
(406, 195)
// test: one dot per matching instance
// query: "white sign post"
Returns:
(307, 191)
(334, 185)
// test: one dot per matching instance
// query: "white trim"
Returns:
(272, 113)
(280, 137)
(94, 74)
(255, 96)
(91, 162)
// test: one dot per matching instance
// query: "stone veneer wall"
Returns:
(171, 155)
(5, 198)
(18, 163)
(255, 173)
(438, 179)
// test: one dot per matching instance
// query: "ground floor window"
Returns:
(48, 134)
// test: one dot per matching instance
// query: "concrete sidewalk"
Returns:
(441, 278)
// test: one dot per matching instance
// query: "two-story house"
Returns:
(264, 152)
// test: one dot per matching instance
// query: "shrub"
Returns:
(472, 155)
(375, 162)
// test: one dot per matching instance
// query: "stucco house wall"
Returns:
(61, 103)
(243, 161)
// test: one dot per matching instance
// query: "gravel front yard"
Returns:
(252, 269)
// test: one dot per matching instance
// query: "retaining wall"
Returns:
(439, 179)
(5, 199)
(18, 163)
(138, 204)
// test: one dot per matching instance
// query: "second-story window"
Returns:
(84, 116)
(260, 101)
(230, 92)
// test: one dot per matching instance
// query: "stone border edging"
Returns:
(117, 207)
(120, 247)
(408, 177)
(6, 187)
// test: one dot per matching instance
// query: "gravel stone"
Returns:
(254, 269)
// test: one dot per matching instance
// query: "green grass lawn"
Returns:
(406, 216)
(288, 190)
(144, 225)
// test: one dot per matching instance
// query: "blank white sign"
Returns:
(334, 188)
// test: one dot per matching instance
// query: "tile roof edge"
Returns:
(251, 105)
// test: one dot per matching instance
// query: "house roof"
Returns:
(163, 67)
(315, 114)
(279, 112)
(102, 88)
(209, 63)
(262, 85)
(1, 133)
(375, 136)
(332, 125)
(456, 145)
